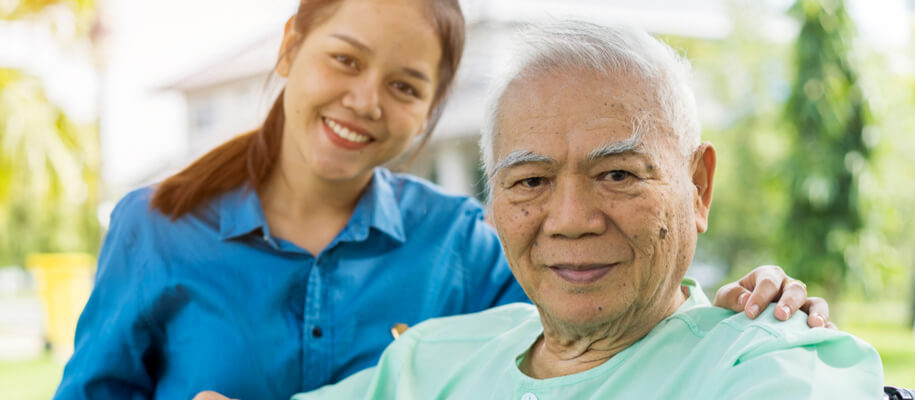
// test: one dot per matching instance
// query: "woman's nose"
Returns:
(363, 99)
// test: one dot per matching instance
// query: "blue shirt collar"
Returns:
(240, 212)
(377, 208)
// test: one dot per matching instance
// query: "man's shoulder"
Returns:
(707, 319)
(477, 327)
(745, 339)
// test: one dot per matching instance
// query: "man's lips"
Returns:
(581, 273)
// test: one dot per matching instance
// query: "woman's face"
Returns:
(359, 89)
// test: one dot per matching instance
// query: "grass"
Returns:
(31, 379)
(880, 324)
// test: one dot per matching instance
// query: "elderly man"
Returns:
(600, 186)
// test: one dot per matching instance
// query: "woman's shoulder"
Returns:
(415, 193)
(134, 206)
(137, 207)
(134, 213)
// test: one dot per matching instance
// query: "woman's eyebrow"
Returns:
(416, 74)
(353, 42)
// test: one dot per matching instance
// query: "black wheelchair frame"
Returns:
(895, 393)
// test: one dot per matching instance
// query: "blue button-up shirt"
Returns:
(212, 301)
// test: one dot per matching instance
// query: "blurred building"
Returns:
(231, 94)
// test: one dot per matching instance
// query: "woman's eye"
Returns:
(405, 89)
(617, 175)
(346, 61)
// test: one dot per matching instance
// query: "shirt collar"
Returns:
(240, 213)
(377, 208)
(697, 297)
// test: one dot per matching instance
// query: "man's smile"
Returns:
(582, 274)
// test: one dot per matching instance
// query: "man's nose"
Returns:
(574, 211)
(363, 98)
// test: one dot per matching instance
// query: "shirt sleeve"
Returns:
(819, 364)
(490, 281)
(113, 341)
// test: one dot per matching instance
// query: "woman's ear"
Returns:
(291, 39)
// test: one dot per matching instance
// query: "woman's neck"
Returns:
(307, 210)
(302, 195)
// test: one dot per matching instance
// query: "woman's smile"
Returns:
(345, 135)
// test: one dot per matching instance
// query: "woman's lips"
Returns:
(341, 141)
(582, 274)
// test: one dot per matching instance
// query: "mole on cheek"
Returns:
(663, 233)
(651, 167)
(600, 308)
(526, 213)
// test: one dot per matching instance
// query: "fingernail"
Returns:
(786, 311)
(822, 320)
(742, 300)
(754, 309)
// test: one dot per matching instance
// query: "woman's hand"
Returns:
(210, 395)
(769, 283)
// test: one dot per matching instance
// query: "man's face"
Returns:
(597, 220)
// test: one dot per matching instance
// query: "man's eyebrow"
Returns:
(519, 157)
(353, 42)
(631, 144)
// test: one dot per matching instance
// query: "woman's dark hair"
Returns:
(249, 158)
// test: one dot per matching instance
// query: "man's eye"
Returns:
(617, 175)
(346, 61)
(405, 89)
(531, 182)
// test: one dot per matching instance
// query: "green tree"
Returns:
(828, 113)
(49, 166)
(742, 84)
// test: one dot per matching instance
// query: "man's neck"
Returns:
(566, 350)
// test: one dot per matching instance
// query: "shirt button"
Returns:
(316, 332)
(528, 396)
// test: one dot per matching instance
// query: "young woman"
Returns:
(279, 262)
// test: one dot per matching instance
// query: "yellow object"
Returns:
(63, 281)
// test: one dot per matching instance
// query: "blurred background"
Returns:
(811, 104)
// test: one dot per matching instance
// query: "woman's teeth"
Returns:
(346, 133)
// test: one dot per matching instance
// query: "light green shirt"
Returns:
(699, 352)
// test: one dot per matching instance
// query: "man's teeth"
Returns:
(346, 133)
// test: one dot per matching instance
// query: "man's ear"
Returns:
(703, 175)
(291, 39)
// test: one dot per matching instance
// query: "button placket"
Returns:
(315, 347)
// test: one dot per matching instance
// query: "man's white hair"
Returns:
(574, 46)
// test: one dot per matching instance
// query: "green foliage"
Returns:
(18, 9)
(828, 114)
(741, 89)
(744, 88)
(49, 174)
